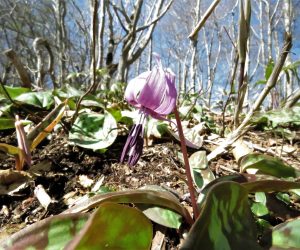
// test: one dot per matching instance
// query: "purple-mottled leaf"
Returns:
(225, 221)
(284, 235)
(156, 198)
(52, 233)
(267, 165)
(114, 226)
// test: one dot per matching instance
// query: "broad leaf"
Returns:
(156, 128)
(267, 165)
(201, 173)
(162, 216)
(225, 221)
(155, 198)
(286, 235)
(7, 123)
(94, 131)
(158, 214)
(37, 99)
(115, 226)
(52, 233)
(278, 117)
(14, 92)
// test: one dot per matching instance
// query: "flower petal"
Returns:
(168, 101)
(134, 88)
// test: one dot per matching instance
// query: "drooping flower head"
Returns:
(153, 93)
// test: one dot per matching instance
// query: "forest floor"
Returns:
(67, 173)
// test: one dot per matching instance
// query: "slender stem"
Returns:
(186, 163)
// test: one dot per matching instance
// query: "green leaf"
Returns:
(278, 117)
(267, 165)
(68, 92)
(261, 82)
(159, 214)
(261, 197)
(116, 113)
(94, 131)
(37, 99)
(115, 226)
(225, 221)
(269, 69)
(9, 149)
(259, 209)
(162, 216)
(156, 128)
(201, 173)
(283, 197)
(7, 123)
(270, 186)
(151, 197)
(286, 235)
(259, 206)
(291, 66)
(14, 92)
(52, 233)
(225, 178)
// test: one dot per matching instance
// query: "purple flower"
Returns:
(153, 93)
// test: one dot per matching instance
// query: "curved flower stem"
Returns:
(186, 163)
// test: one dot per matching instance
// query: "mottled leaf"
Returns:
(37, 99)
(156, 198)
(201, 173)
(286, 235)
(278, 117)
(226, 178)
(94, 131)
(225, 221)
(52, 233)
(115, 226)
(267, 165)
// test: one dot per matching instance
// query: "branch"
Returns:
(196, 30)
(156, 19)
(292, 100)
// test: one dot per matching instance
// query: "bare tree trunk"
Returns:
(244, 32)
(60, 14)
(194, 43)
(261, 33)
(100, 47)
(288, 16)
(22, 72)
(94, 31)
